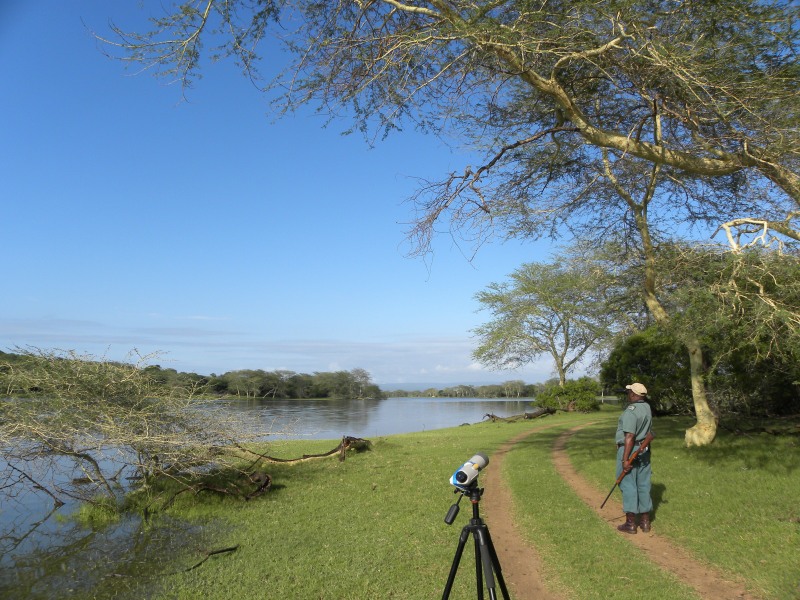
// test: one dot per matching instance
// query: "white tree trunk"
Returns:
(705, 430)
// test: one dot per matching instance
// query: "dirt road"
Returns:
(521, 564)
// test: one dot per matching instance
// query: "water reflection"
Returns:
(122, 561)
(332, 419)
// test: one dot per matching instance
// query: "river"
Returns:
(332, 419)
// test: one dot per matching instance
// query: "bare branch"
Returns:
(761, 230)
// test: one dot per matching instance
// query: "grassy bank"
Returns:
(373, 526)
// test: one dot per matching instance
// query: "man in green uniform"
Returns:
(635, 422)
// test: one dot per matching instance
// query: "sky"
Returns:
(209, 235)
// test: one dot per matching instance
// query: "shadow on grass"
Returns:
(657, 493)
(769, 452)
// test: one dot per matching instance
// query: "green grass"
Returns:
(373, 525)
(735, 504)
(586, 557)
(369, 527)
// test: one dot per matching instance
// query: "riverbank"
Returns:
(373, 526)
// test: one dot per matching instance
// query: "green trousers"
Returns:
(635, 486)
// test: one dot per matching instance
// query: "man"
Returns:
(635, 422)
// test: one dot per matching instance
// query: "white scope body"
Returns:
(468, 472)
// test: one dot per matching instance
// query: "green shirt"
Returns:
(636, 419)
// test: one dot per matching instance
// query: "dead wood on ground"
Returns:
(211, 553)
(347, 443)
(539, 412)
(253, 483)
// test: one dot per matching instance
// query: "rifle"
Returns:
(645, 443)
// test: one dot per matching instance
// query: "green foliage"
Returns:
(16, 372)
(575, 395)
(555, 309)
(507, 389)
(739, 381)
(656, 359)
(98, 513)
(171, 378)
(744, 308)
(257, 383)
(768, 386)
(83, 380)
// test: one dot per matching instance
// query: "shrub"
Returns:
(576, 395)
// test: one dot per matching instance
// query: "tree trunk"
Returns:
(705, 430)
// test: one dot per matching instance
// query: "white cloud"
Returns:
(206, 349)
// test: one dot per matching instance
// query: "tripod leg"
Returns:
(462, 540)
(478, 560)
(496, 563)
(484, 558)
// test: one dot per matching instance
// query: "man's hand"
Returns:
(627, 463)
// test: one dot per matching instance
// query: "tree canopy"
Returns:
(557, 309)
(708, 88)
(742, 310)
(688, 104)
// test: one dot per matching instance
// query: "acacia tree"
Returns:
(691, 290)
(723, 77)
(614, 201)
(513, 388)
(552, 309)
(701, 95)
(744, 319)
(74, 426)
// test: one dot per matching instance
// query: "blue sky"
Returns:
(212, 233)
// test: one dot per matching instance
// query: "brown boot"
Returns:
(644, 522)
(629, 526)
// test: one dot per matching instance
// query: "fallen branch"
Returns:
(539, 412)
(209, 555)
(494, 418)
(347, 443)
(261, 480)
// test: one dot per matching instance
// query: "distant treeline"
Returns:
(356, 383)
(251, 383)
(508, 389)
(258, 383)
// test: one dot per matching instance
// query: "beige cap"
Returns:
(637, 388)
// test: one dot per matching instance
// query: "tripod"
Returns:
(486, 563)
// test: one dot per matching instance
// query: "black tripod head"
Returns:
(473, 491)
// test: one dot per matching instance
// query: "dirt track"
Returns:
(521, 564)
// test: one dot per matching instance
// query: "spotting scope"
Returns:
(466, 474)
